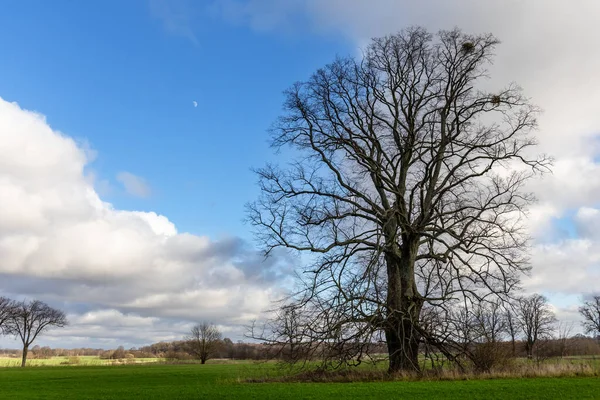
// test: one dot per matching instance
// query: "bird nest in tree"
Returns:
(468, 47)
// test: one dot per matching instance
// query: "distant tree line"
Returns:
(482, 336)
(205, 342)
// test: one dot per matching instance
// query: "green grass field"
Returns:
(227, 381)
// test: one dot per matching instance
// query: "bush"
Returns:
(118, 354)
(177, 355)
(490, 356)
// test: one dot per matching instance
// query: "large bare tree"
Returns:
(29, 319)
(203, 341)
(407, 187)
(590, 311)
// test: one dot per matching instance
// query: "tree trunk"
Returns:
(403, 345)
(529, 349)
(404, 309)
(24, 357)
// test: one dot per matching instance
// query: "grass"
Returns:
(228, 381)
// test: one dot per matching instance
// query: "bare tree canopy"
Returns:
(490, 322)
(203, 341)
(407, 188)
(536, 319)
(30, 319)
(7, 307)
(590, 311)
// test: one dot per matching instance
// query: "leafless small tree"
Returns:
(474, 331)
(204, 341)
(29, 319)
(287, 334)
(316, 330)
(490, 321)
(590, 311)
(292, 333)
(536, 319)
(563, 331)
(407, 189)
(490, 350)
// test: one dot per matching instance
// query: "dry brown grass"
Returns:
(513, 370)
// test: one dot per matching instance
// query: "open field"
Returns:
(193, 381)
(64, 361)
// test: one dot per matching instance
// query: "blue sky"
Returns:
(114, 74)
(116, 82)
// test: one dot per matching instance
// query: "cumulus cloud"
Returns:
(545, 46)
(133, 184)
(128, 270)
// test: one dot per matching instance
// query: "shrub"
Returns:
(490, 356)
(74, 360)
(173, 355)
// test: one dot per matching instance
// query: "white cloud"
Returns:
(110, 328)
(195, 103)
(61, 243)
(568, 266)
(133, 184)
